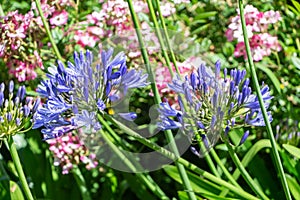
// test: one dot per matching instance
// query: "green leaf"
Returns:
(293, 186)
(206, 15)
(271, 75)
(296, 62)
(199, 21)
(183, 195)
(198, 184)
(201, 28)
(15, 191)
(216, 197)
(292, 150)
(297, 5)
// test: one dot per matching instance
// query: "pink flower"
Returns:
(68, 151)
(240, 50)
(59, 18)
(167, 8)
(261, 43)
(85, 38)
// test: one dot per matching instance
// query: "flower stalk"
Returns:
(81, 183)
(180, 160)
(168, 134)
(114, 137)
(14, 154)
(262, 106)
(56, 51)
(244, 172)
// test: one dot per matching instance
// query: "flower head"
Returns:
(214, 104)
(76, 94)
(15, 112)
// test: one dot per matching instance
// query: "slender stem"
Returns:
(262, 106)
(85, 195)
(244, 172)
(160, 38)
(169, 136)
(45, 23)
(184, 162)
(227, 174)
(162, 20)
(166, 56)
(14, 154)
(151, 184)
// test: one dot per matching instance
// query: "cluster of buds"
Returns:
(16, 112)
(68, 151)
(257, 23)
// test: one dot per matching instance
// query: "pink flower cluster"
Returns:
(57, 16)
(17, 47)
(68, 151)
(257, 24)
(14, 28)
(113, 20)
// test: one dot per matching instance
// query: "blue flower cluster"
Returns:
(16, 112)
(76, 93)
(213, 104)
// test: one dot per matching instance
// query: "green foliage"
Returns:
(206, 23)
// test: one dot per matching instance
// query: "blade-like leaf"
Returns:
(292, 150)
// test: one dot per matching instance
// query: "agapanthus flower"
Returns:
(68, 151)
(75, 94)
(214, 105)
(15, 112)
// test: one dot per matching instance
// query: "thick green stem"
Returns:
(45, 23)
(244, 172)
(14, 154)
(85, 195)
(169, 136)
(182, 161)
(262, 106)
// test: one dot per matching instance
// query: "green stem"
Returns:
(227, 174)
(147, 180)
(165, 54)
(169, 136)
(244, 172)
(180, 160)
(14, 154)
(160, 38)
(162, 20)
(45, 23)
(85, 195)
(262, 106)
